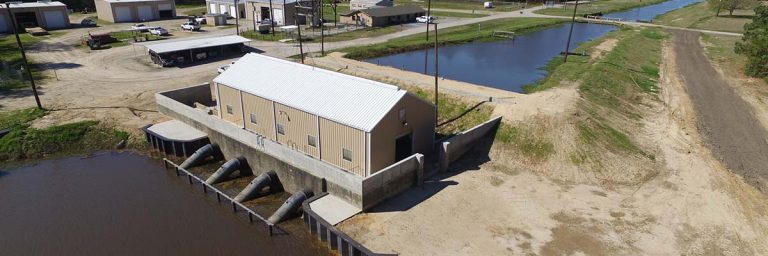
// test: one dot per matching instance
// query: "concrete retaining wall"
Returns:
(392, 180)
(452, 148)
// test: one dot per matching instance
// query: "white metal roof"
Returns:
(195, 43)
(34, 4)
(349, 100)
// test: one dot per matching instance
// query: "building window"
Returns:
(311, 140)
(281, 129)
(346, 154)
(253, 118)
(402, 115)
(229, 110)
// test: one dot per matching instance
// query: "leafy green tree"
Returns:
(731, 5)
(754, 44)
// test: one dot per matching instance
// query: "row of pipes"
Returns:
(267, 180)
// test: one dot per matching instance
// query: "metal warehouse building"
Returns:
(227, 7)
(358, 125)
(47, 15)
(135, 10)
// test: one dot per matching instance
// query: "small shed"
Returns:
(183, 51)
(384, 16)
(47, 15)
(135, 10)
(227, 7)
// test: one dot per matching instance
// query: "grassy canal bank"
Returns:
(482, 31)
(25, 142)
(598, 6)
(701, 16)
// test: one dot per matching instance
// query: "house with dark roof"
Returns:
(383, 16)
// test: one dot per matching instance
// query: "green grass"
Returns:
(24, 142)
(604, 6)
(439, 14)
(328, 12)
(525, 142)
(700, 16)
(266, 37)
(450, 36)
(463, 5)
(362, 33)
(9, 53)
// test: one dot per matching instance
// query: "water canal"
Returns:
(512, 63)
(126, 204)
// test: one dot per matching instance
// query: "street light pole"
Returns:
(429, 15)
(23, 55)
(573, 20)
(436, 75)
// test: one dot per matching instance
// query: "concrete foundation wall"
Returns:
(452, 148)
(392, 180)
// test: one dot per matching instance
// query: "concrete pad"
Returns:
(177, 131)
(333, 209)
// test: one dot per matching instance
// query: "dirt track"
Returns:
(727, 123)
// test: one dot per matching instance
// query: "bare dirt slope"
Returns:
(727, 123)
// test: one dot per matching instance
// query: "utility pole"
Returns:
(23, 55)
(322, 29)
(272, 17)
(237, 17)
(429, 15)
(436, 75)
(298, 29)
(255, 28)
(335, 15)
(568, 43)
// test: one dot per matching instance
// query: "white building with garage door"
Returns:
(227, 7)
(135, 10)
(47, 15)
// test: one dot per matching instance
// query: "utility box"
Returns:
(216, 19)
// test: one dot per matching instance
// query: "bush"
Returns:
(754, 44)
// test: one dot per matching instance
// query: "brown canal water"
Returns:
(127, 204)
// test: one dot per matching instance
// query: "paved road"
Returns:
(726, 121)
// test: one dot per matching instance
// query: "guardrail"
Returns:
(334, 238)
(235, 204)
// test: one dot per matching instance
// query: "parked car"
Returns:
(425, 19)
(159, 31)
(266, 22)
(191, 26)
(87, 22)
(140, 27)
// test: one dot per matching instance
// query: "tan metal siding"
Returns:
(420, 117)
(262, 109)
(334, 137)
(230, 96)
(298, 124)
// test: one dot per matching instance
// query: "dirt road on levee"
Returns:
(726, 121)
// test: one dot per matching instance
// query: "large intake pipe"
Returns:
(265, 179)
(290, 206)
(226, 169)
(200, 155)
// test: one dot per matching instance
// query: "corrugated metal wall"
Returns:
(261, 109)
(334, 137)
(297, 125)
(229, 96)
(420, 119)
